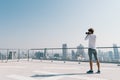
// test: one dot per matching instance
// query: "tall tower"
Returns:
(116, 53)
(80, 51)
(45, 52)
(64, 51)
(73, 55)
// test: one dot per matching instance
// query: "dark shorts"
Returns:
(92, 52)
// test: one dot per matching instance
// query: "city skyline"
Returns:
(51, 23)
(64, 53)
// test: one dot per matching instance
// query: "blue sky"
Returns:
(50, 23)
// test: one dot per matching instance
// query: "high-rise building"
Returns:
(101, 55)
(12, 55)
(45, 53)
(80, 51)
(64, 51)
(116, 53)
(110, 55)
(73, 55)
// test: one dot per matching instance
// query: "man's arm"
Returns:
(86, 38)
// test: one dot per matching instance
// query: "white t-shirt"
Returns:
(92, 40)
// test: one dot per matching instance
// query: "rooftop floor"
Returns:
(56, 70)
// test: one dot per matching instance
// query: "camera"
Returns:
(88, 33)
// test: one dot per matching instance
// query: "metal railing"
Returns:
(105, 54)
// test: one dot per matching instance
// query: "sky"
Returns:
(51, 23)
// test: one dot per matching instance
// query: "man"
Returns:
(92, 49)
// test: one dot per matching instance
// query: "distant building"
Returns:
(73, 55)
(80, 51)
(39, 55)
(64, 51)
(12, 55)
(111, 55)
(45, 53)
(56, 56)
(116, 53)
(101, 56)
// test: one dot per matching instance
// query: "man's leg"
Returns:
(91, 68)
(90, 58)
(90, 62)
(91, 65)
(98, 65)
(97, 61)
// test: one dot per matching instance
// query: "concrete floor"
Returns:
(56, 70)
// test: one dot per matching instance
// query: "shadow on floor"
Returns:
(51, 75)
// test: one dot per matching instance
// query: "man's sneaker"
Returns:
(90, 72)
(98, 72)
